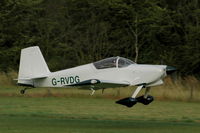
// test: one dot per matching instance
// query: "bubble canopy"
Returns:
(113, 62)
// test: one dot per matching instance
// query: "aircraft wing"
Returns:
(100, 84)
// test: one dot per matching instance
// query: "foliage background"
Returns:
(75, 32)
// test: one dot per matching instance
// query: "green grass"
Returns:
(58, 110)
(54, 125)
(88, 115)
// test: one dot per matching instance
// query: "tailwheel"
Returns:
(22, 91)
(146, 100)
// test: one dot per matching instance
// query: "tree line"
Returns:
(75, 32)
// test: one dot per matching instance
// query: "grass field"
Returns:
(88, 115)
(176, 109)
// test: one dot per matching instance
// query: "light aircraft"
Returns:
(109, 72)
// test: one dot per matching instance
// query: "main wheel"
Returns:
(129, 102)
(145, 101)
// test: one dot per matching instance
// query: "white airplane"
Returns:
(106, 73)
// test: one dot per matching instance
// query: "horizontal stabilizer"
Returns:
(37, 77)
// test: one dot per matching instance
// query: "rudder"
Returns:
(32, 65)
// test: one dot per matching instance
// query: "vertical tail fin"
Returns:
(32, 65)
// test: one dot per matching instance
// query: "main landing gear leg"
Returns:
(130, 101)
(137, 91)
(147, 92)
